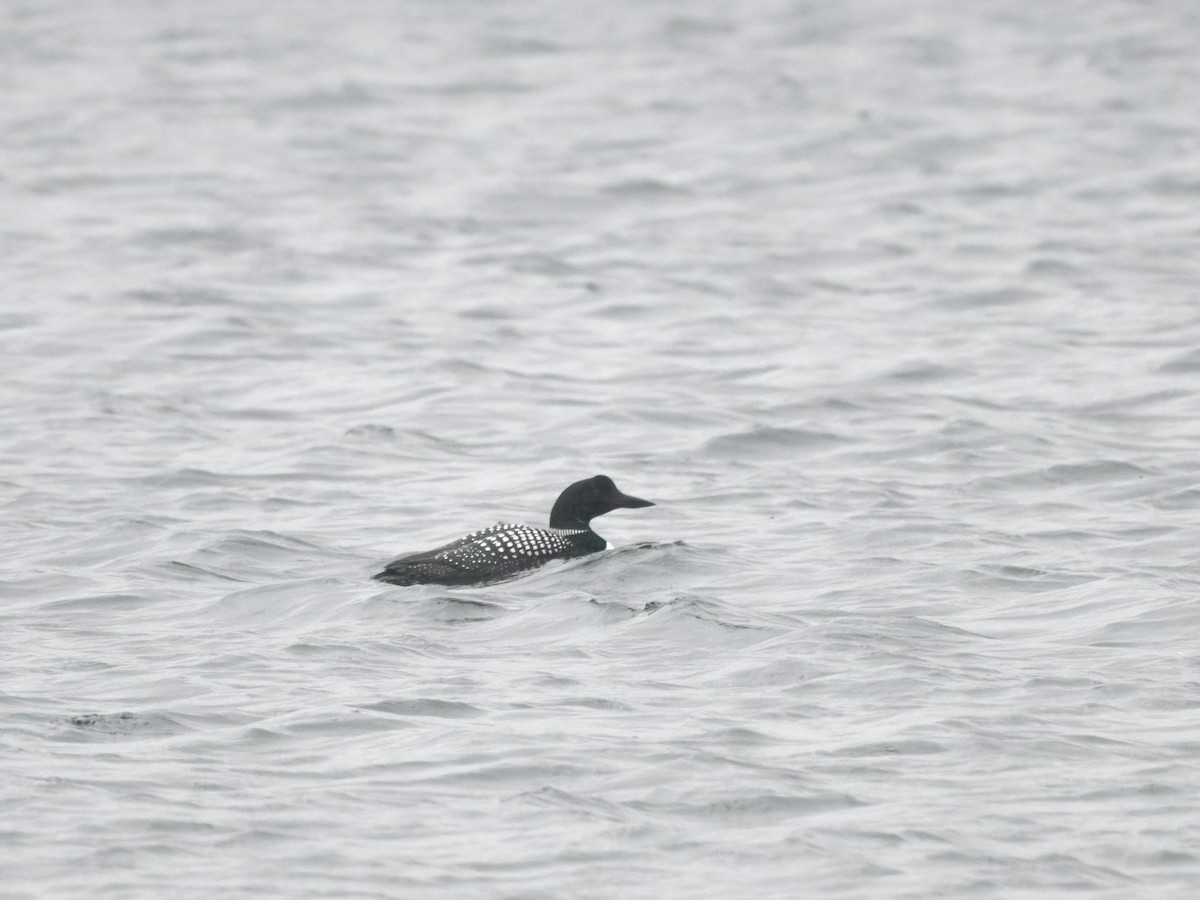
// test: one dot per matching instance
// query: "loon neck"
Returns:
(570, 515)
(582, 537)
(564, 522)
(559, 529)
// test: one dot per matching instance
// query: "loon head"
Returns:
(584, 500)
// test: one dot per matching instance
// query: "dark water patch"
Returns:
(1183, 364)
(1020, 579)
(589, 806)
(415, 445)
(600, 703)
(83, 181)
(1136, 408)
(626, 311)
(1130, 626)
(185, 478)
(1153, 790)
(371, 433)
(434, 708)
(645, 188)
(279, 602)
(733, 736)
(197, 573)
(347, 95)
(182, 297)
(262, 737)
(339, 724)
(767, 441)
(123, 726)
(491, 312)
(472, 770)
(995, 190)
(221, 240)
(779, 672)
(999, 297)
(889, 748)
(748, 373)
(679, 609)
(1100, 742)
(500, 87)
(1045, 267)
(925, 372)
(371, 648)
(519, 46)
(1100, 470)
(689, 25)
(251, 413)
(16, 321)
(100, 603)
(1188, 498)
(454, 609)
(1065, 475)
(753, 809)
(258, 545)
(1176, 184)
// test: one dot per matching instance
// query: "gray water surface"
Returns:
(893, 310)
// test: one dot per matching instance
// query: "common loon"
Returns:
(502, 550)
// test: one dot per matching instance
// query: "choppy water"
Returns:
(894, 310)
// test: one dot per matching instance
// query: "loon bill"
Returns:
(503, 550)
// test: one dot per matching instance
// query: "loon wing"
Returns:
(492, 554)
(425, 568)
(455, 563)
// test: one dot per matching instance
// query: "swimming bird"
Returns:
(502, 550)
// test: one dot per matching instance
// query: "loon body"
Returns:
(503, 550)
